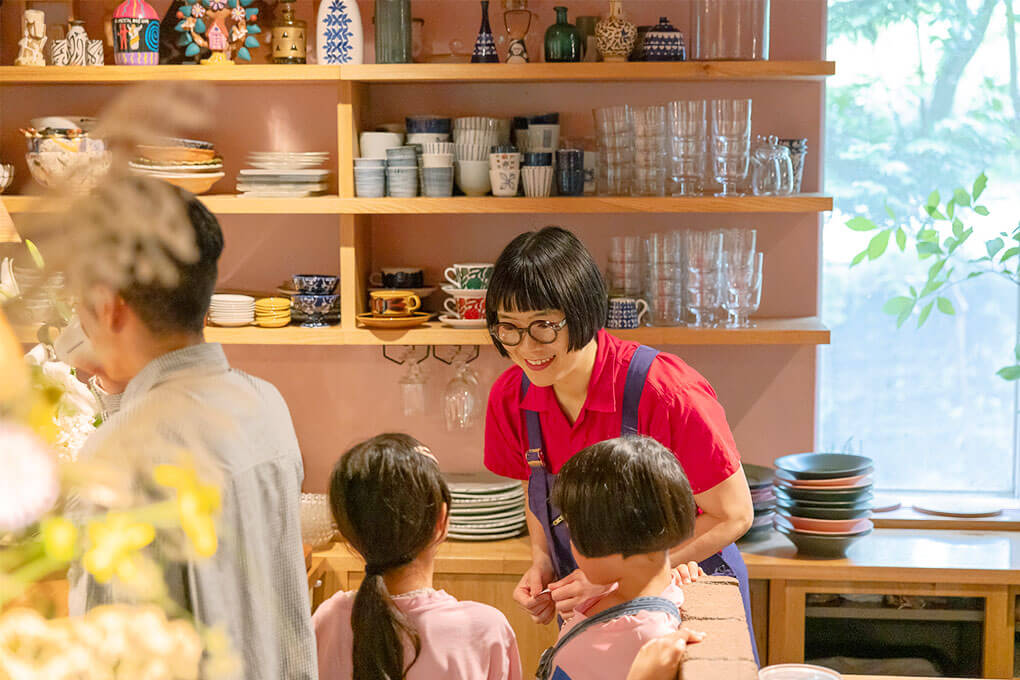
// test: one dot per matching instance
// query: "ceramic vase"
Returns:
(664, 42)
(339, 36)
(615, 35)
(288, 36)
(485, 46)
(562, 39)
(393, 22)
(135, 34)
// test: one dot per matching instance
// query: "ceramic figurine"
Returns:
(339, 37)
(664, 42)
(288, 36)
(95, 53)
(562, 39)
(485, 46)
(615, 35)
(33, 39)
(517, 21)
(76, 49)
(221, 25)
(135, 34)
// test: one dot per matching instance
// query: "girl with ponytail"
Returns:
(392, 505)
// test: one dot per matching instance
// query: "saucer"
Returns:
(420, 292)
(454, 322)
(416, 319)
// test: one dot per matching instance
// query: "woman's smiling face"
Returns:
(545, 365)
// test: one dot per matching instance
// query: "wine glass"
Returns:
(461, 402)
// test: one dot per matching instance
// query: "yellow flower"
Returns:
(112, 543)
(197, 503)
(59, 538)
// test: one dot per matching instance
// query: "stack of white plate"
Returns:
(485, 507)
(232, 310)
(284, 174)
(287, 160)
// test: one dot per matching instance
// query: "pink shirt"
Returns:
(607, 650)
(459, 640)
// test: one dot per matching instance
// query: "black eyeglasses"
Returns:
(544, 332)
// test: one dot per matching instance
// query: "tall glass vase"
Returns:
(485, 46)
(393, 31)
(562, 39)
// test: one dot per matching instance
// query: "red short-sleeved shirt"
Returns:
(678, 408)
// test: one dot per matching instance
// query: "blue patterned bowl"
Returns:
(314, 308)
(315, 284)
(427, 124)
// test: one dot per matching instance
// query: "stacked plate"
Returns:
(282, 174)
(232, 310)
(272, 312)
(824, 501)
(759, 480)
(190, 164)
(485, 507)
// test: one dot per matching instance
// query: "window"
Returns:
(925, 97)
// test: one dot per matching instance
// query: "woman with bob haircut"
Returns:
(573, 385)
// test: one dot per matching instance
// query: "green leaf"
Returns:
(37, 257)
(979, 185)
(981, 210)
(958, 228)
(1010, 253)
(858, 258)
(974, 275)
(951, 209)
(933, 199)
(929, 235)
(926, 249)
(889, 212)
(934, 213)
(936, 269)
(913, 292)
(925, 313)
(902, 318)
(961, 197)
(931, 287)
(861, 224)
(945, 306)
(878, 244)
(897, 305)
(993, 246)
(901, 239)
(1009, 373)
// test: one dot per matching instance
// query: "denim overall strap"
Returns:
(540, 483)
(637, 373)
(638, 604)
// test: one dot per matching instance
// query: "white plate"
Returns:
(489, 506)
(454, 322)
(483, 522)
(491, 537)
(476, 512)
(231, 324)
(492, 497)
(176, 169)
(797, 671)
(227, 297)
(507, 516)
(480, 483)
(313, 174)
(486, 530)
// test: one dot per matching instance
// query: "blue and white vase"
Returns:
(664, 42)
(485, 46)
(339, 37)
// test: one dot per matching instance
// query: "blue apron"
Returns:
(726, 562)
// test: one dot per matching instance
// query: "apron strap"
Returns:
(534, 455)
(637, 373)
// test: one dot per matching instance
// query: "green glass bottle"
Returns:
(562, 39)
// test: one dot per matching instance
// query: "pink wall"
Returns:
(339, 395)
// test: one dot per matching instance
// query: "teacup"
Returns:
(469, 276)
(315, 284)
(374, 144)
(466, 304)
(626, 312)
(398, 277)
(394, 302)
(504, 182)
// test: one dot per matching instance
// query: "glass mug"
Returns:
(394, 302)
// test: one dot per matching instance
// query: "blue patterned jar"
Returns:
(664, 42)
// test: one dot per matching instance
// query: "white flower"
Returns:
(29, 485)
(237, 14)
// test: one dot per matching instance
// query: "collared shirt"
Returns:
(678, 408)
(239, 428)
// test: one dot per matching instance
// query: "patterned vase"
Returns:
(338, 34)
(135, 34)
(615, 35)
(485, 46)
(664, 42)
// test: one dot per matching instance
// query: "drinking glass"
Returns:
(461, 403)
(743, 297)
(651, 151)
(704, 262)
(731, 142)
(772, 168)
(687, 126)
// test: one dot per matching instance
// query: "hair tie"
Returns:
(380, 569)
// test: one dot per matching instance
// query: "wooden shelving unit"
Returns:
(96, 75)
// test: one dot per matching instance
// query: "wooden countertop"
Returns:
(975, 557)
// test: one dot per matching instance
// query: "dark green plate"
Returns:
(814, 545)
(865, 501)
(799, 510)
(758, 476)
(845, 496)
(823, 465)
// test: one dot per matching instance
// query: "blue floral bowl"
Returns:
(315, 284)
(314, 308)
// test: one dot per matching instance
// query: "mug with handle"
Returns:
(394, 302)
(626, 312)
(466, 306)
(471, 276)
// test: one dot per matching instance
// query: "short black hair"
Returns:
(627, 495)
(183, 306)
(549, 269)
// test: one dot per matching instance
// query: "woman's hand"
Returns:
(660, 659)
(690, 572)
(569, 592)
(531, 592)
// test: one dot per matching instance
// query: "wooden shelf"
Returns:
(420, 73)
(239, 73)
(587, 72)
(229, 204)
(892, 614)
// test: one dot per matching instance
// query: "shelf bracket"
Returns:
(456, 354)
(409, 354)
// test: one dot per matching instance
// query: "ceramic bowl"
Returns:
(826, 513)
(823, 465)
(473, 177)
(478, 137)
(80, 172)
(437, 160)
(785, 501)
(58, 142)
(195, 182)
(176, 154)
(315, 284)
(826, 526)
(84, 123)
(369, 162)
(374, 144)
(370, 182)
(6, 176)
(438, 182)
(536, 158)
(844, 496)
(437, 147)
(816, 545)
(476, 123)
(537, 181)
(402, 182)
(471, 152)
(314, 307)
(428, 124)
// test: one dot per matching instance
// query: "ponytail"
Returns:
(379, 629)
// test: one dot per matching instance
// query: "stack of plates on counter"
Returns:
(824, 501)
(232, 310)
(281, 174)
(190, 164)
(485, 507)
(759, 480)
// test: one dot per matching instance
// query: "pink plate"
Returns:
(846, 482)
(828, 526)
(859, 525)
(861, 482)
